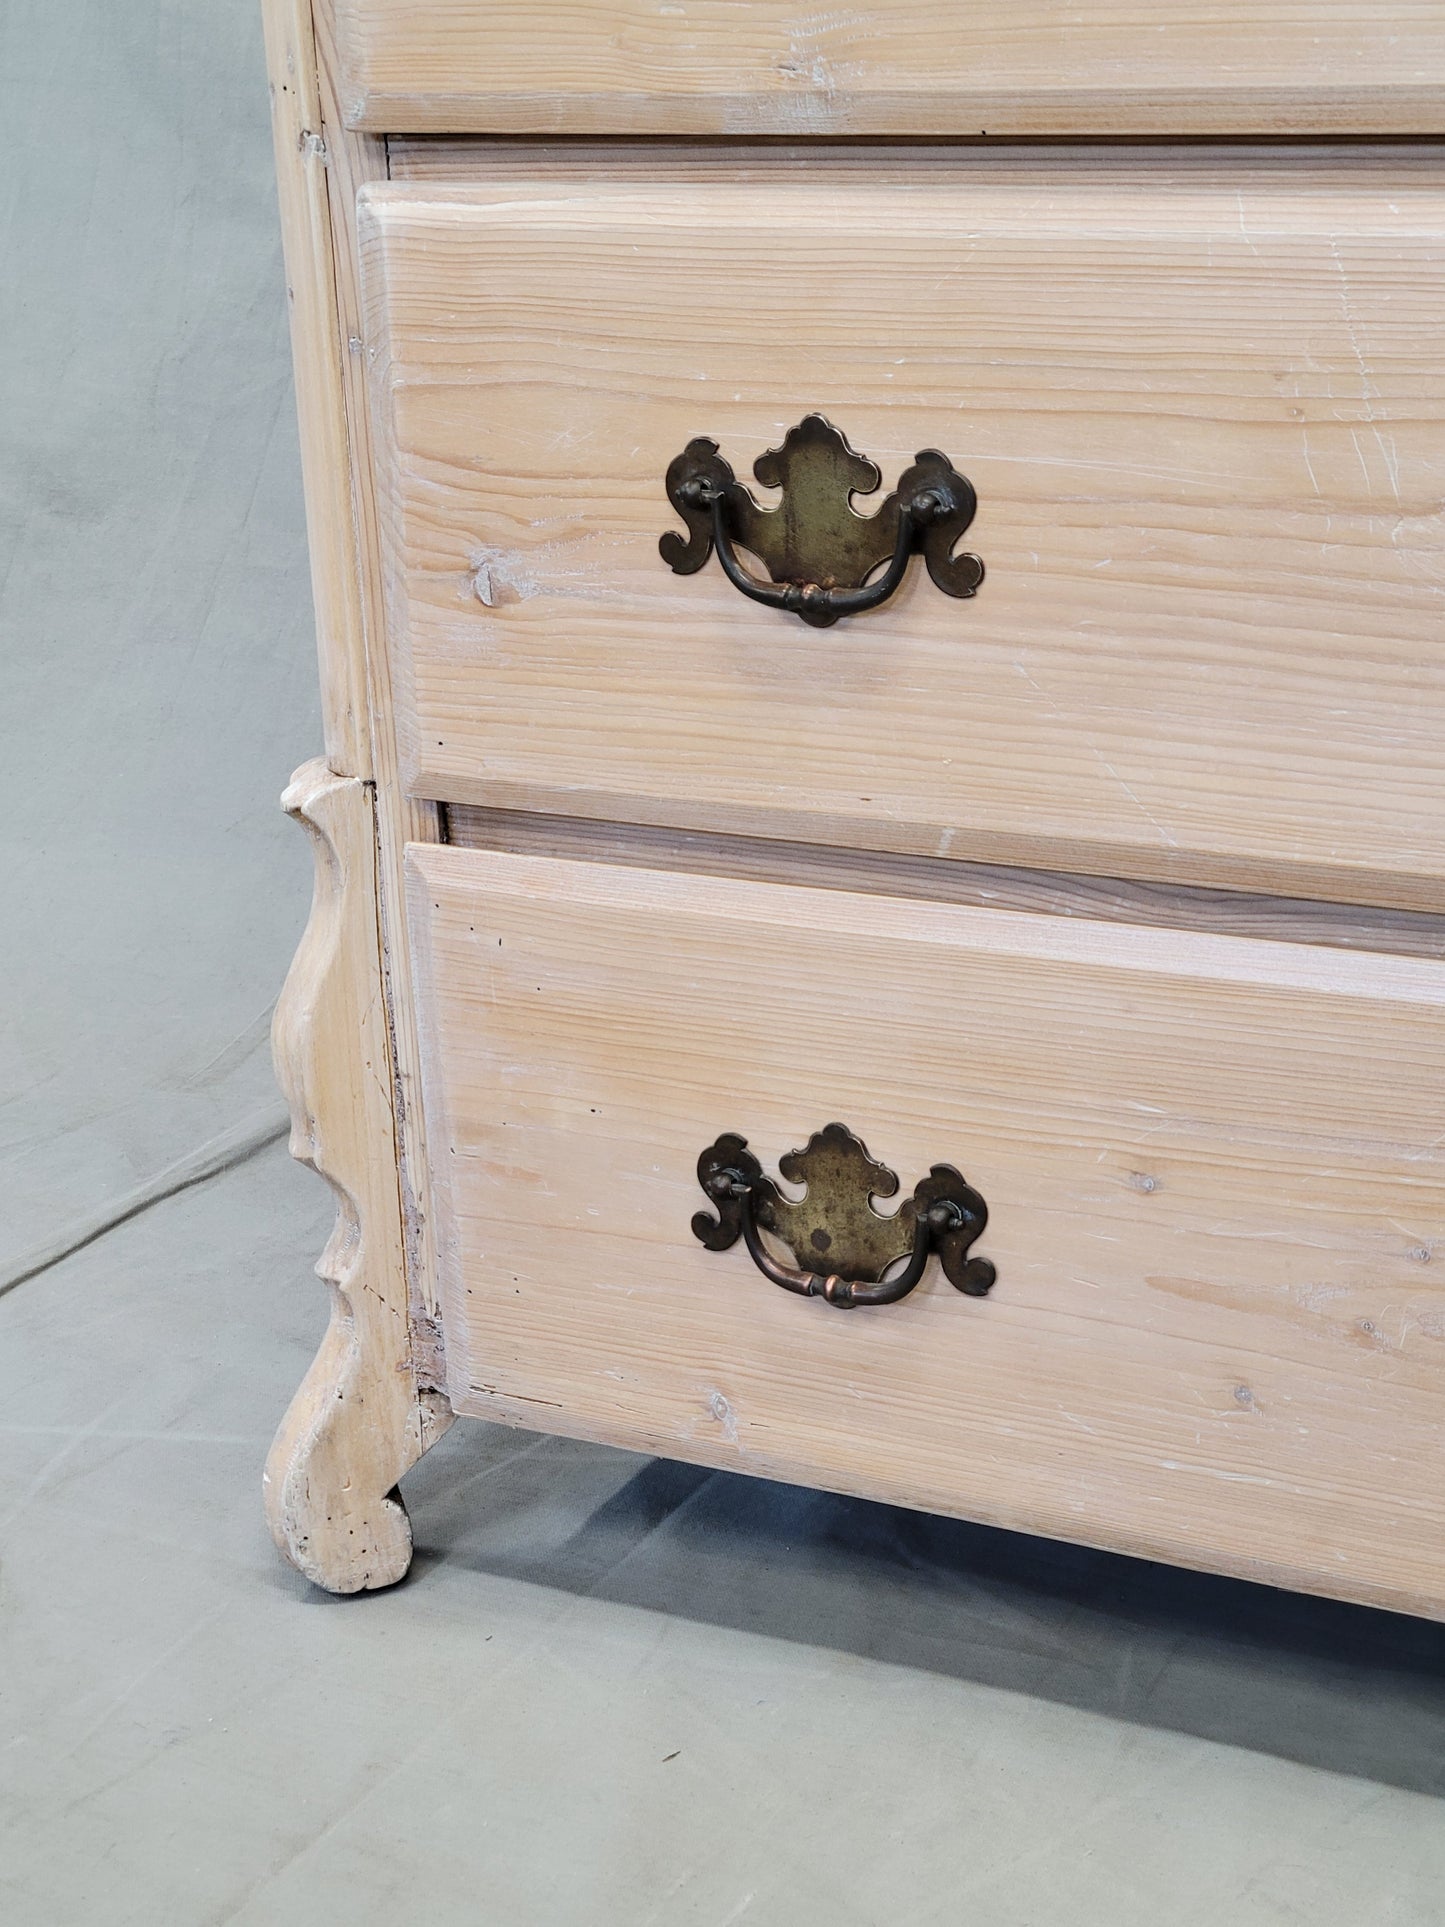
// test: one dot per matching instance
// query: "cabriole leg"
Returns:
(359, 1420)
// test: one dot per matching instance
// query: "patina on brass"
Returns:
(841, 1245)
(816, 547)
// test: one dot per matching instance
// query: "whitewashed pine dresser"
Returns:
(881, 843)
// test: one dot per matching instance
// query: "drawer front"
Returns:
(1201, 404)
(1212, 1167)
(1009, 67)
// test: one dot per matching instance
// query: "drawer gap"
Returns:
(941, 880)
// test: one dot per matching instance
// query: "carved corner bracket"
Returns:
(359, 1420)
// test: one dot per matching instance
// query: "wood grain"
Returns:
(820, 866)
(361, 1416)
(1214, 1170)
(1202, 405)
(998, 67)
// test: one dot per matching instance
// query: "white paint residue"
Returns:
(564, 570)
(718, 1406)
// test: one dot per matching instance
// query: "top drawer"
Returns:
(1202, 402)
(996, 67)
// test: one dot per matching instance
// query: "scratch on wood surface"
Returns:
(1134, 797)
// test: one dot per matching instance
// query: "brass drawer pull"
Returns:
(841, 1244)
(817, 548)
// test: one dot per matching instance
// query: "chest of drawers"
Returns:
(880, 591)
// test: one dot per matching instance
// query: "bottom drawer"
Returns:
(1212, 1165)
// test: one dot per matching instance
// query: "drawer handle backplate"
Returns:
(841, 1245)
(815, 545)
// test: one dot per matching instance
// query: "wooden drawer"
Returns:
(1201, 401)
(1213, 1168)
(996, 67)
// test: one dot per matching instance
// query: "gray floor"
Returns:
(617, 1691)
(613, 1692)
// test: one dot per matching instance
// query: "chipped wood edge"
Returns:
(363, 1414)
(317, 352)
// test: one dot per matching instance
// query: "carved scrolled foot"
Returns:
(360, 1418)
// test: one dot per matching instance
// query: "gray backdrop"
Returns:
(154, 603)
